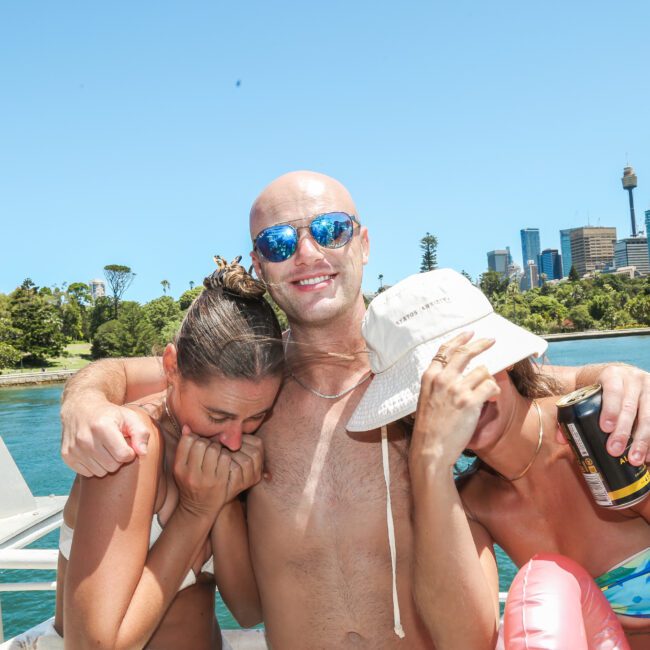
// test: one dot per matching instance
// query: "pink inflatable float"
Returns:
(554, 604)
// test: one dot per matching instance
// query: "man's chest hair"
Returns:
(337, 469)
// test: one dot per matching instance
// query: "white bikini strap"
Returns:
(391, 532)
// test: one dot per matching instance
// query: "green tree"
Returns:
(640, 309)
(164, 316)
(536, 323)
(8, 333)
(599, 305)
(570, 294)
(581, 318)
(9, 356)
(129, 335)
(4, 305)
(79, 300)
(552, 310)
(108, 340)
(38, 322)
(119, 279)
(428, 246)
(160, 311)
(102, 312)
(187, 298)
(573, 274)
(79, 293)
(141, 337)
(512, 304)
(616, 318)
(493, 285)
(72, 324)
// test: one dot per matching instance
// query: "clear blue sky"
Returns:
(125, 139)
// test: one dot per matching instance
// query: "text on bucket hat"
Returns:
(405, 326)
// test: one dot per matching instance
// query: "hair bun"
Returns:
(233, 278)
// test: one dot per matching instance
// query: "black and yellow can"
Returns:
(613, 482)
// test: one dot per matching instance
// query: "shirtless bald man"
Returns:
(317, 521)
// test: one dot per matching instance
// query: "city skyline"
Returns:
(636, 229)
(468, 120)
(634, 249)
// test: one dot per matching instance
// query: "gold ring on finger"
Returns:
(441, 358)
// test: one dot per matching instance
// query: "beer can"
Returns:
(613, 482)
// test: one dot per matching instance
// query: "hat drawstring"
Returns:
(391, 532)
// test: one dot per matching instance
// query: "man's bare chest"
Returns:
(329, 468)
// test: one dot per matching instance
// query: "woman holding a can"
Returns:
(482, 392)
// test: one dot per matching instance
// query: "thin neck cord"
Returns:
(345, 391)
(399, 630)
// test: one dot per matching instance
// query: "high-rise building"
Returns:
(97, 288)
(550, 264)
(510, 262)
(515, 274)
(629, 183)
(498, 261)
(592, 248)
(565, 248)
(632, 251)
(531, 276)
(530, 247)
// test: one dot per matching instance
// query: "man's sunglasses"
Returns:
(331, 230)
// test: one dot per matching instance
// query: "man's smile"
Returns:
(314, 282)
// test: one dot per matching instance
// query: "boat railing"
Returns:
(33, 558)
(46, 560)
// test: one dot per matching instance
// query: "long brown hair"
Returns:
(530, 381)
(230, 329)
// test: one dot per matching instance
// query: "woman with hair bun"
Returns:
(142, 549)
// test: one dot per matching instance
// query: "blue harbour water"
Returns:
(30, 427)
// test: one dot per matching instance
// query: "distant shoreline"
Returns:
(35, 378)
(60, 376)
(597, 334)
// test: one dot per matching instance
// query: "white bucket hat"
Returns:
(405, 326)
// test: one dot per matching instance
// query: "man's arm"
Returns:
(98, 434)
(626, 404)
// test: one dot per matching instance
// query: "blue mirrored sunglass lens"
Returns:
(277, 243)
(332, 230)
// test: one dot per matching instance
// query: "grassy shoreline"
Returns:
(58, 369)
(77, 356)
